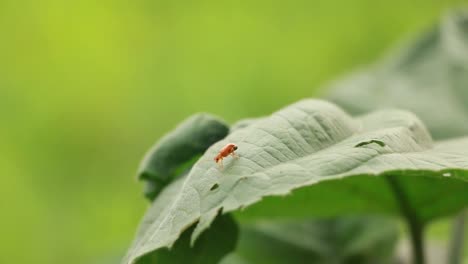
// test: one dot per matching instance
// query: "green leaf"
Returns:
(210, 248)
(428, 77)
(178, 150)
(310, 146)
(243, 123)
(345, 240)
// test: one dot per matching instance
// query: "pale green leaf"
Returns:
(315, 147)
(212, 246)
(207, 250)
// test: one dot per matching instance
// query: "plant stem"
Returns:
(414, 224)
(417, 232)
(456, 245)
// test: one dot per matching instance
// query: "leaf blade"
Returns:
(303, 145)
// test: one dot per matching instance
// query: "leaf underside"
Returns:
(347, 240)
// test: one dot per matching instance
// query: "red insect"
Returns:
(224, 152)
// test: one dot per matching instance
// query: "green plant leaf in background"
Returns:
(178, 150)
(308, 144)
(347, 240)
(428, 77)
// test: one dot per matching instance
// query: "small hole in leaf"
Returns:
(214, 187)
(364, 143)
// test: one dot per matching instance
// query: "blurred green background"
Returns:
(87, 86)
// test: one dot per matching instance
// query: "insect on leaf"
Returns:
(307, 152)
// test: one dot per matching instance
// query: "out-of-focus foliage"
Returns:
(348, 240)
(429, 77)
(86, 86)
